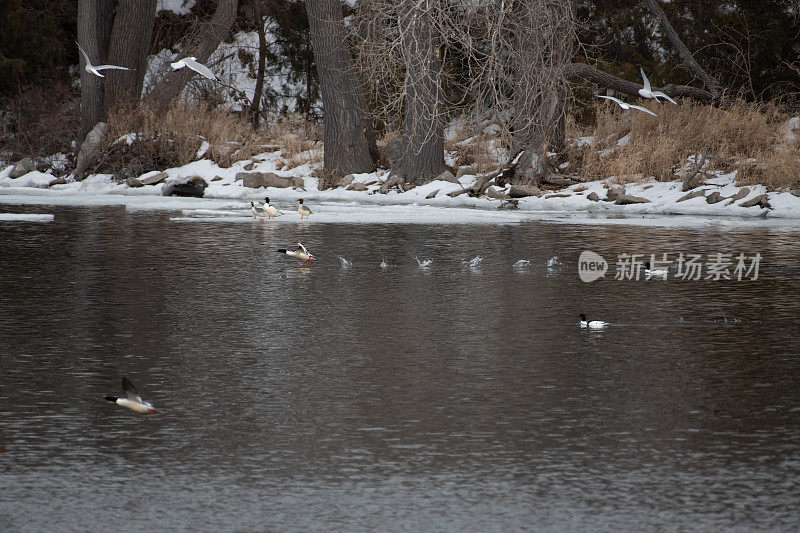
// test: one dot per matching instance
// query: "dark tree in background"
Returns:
(204, 37)
(95, 20)
(129, 45)
(346, 147)
(422, 156)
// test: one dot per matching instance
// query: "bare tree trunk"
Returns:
(688, 59)
(346, 148)
(595, 75)
(422, 157)
(129, 47)
(94, 29)
(207, 36)
(255, 105)
(544, 39)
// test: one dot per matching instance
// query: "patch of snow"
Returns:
(31, 179)
(203, 149)
(128, 138)
(788, 129)
(624, 141)
(179, 7)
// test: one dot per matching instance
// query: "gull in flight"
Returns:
(191, 62)
(648, 92)
(91, 69)
(626, 106)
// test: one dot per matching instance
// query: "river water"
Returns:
(458, 397)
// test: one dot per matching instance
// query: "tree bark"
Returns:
(94, 29)
(543, 47)
(346, 148)
(609, 81)
(129, 47)
(422, 157)
(255, 105)
(686, 56)
(209, 35)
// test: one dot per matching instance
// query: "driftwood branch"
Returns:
(688, 59)
(688, 180)
(609, 81)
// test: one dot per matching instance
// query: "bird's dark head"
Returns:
(300, 200)
(281, 251)
(266, 199)
(647, 265)
(583, 317)
(110, 398)
(251, 203)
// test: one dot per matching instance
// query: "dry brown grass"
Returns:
(746, 135)
(173, 138)
(475, 146)
(298, 139)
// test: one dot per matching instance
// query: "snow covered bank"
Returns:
(226, 199)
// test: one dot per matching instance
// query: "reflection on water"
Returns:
(444, 397)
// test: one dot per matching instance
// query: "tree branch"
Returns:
(688, 59)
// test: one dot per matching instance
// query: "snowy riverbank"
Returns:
(227, 199)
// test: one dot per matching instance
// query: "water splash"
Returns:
(345, 262)
(522, 263)
(553, 263)
(475, 261)
(384, 264)
(425, 263)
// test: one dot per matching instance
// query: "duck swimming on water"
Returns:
(592, 324)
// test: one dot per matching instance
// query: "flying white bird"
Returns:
(91, 69)
(191, 62)
(626, 106)
(648, 92)
(132, 399)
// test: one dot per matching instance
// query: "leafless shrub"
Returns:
(40, 121)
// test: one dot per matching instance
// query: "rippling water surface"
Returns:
(460, 395)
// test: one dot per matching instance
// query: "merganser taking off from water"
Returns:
(257, 211)
(270, 210)
(301, 254)
(592, 324)
(303, 209)
(132, 399)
